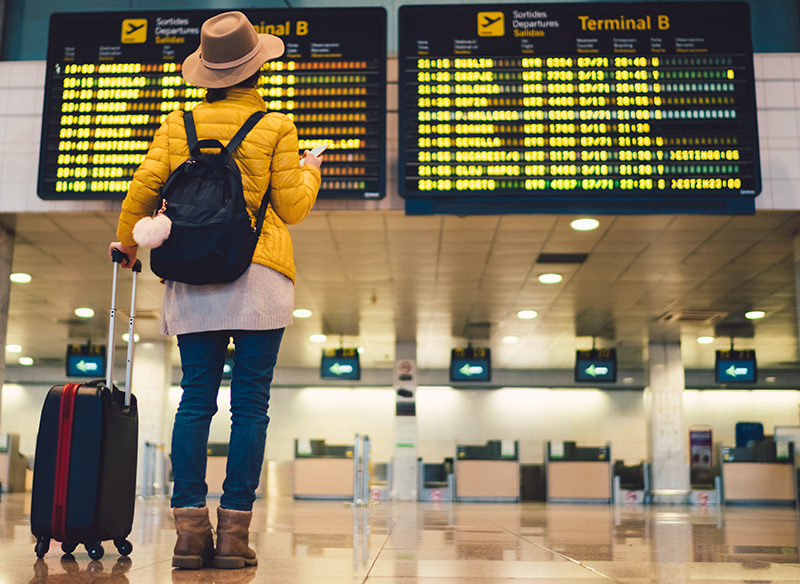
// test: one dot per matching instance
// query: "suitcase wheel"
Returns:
(42, 545)
(124, 547)
(68, 547)
(95, 550)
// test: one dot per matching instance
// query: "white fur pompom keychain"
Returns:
(152, 231)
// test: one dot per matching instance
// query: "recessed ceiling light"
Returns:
(527, 314)
(705, 340)
(318, 338)
(135, 337)
(301, 313)
(550, 278)
(585, 224)
(14, 348)
(27, 361)
(510, 340)
(755, 314)
(20, 278)
(84, 312)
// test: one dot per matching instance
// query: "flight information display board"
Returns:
(599, 106)
(113, 77)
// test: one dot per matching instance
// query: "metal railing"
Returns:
(361, 454)
(155, 470)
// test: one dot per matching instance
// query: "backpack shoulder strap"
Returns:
(191, 131)
(233, 145)
(243, 131)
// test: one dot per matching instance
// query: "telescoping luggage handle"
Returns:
(118, 257)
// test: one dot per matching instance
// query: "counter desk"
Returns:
(323, 471)
(757, 475)
(488, 473)
(578, 474)
(13, 465)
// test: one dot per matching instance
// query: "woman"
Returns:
(253, 310)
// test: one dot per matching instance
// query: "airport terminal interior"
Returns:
(546, 323)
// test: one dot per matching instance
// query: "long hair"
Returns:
(219, 93)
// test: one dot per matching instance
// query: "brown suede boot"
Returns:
(195, 546)
(233, 529)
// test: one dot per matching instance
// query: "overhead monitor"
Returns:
(596, 365)
(112, 77)
(340, 364)
(591, 107)
(735, 366)
(86, 360)
(471, 364)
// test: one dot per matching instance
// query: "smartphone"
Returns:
(316, 151)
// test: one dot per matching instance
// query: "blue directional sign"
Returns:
(471, 364)
(86, 360)
(596, 365)
(735, 367)
(340, 364)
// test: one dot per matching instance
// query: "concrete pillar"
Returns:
(667, 432)
(404, 460)
(6, 258)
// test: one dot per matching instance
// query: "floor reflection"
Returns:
(215, 576)
(92, 571)
(326, 542)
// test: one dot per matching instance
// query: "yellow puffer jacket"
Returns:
(268, 156)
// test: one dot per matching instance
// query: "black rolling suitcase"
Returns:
(84, 476)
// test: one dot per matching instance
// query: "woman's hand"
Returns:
(309, 158)
(128, 251)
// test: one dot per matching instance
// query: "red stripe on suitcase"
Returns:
(66, 415)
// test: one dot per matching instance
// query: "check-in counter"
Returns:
(578, 474)
(323, 471)
(435, 481)
(489, 472)
(13, 465)
(755, 474)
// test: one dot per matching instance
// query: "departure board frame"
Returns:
(615, 107)
(113, 76)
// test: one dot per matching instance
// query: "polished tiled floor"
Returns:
(406, 543)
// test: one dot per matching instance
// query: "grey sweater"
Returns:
(260, 299)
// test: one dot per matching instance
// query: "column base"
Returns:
(669, 497)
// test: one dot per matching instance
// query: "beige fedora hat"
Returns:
(230, 51)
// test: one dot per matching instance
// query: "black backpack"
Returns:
(211, 240)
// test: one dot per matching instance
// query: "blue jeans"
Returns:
(202, 360)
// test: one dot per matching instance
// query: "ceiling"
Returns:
(373, 278)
